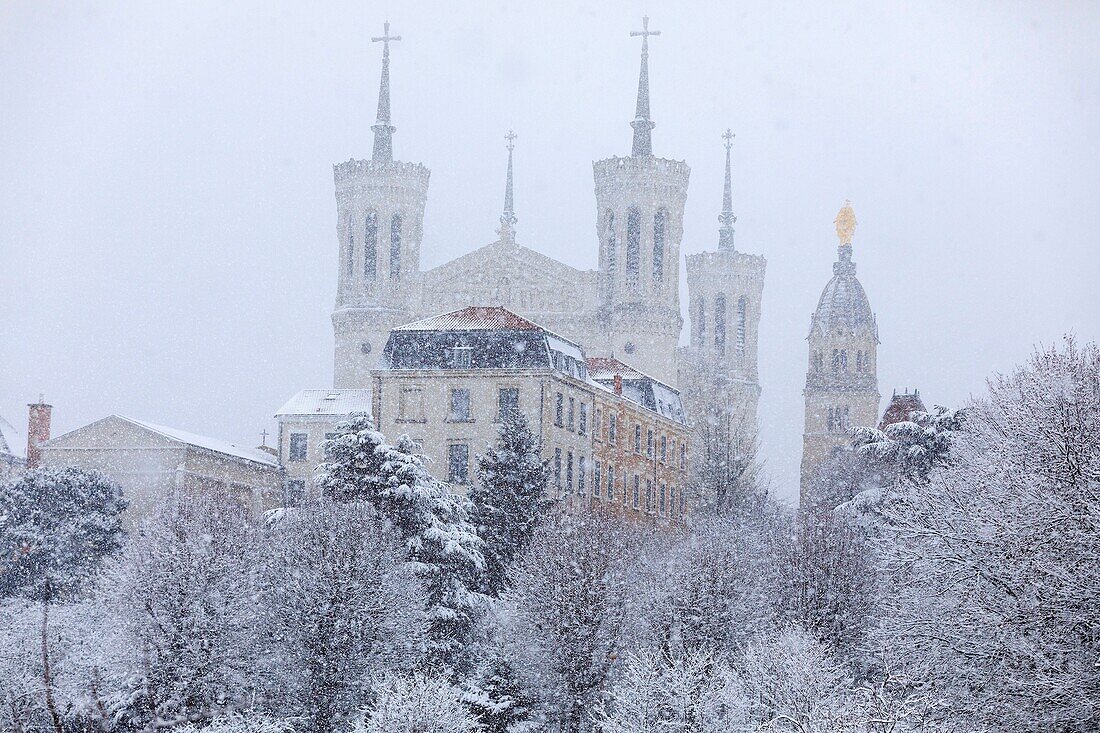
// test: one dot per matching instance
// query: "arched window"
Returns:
(370, 247)
(819, 361)
(633, 244)
(720, 323)
(351, 248)
(659, 246)
(832, 419)
(395, 247)
(701, 322)
(612, 243)
(836, 360)
(843, 360)
(859, 362)
(741, 306)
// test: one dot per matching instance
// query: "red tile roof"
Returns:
(607, 367)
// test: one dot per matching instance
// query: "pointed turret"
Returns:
(383, 130)
(726, 218)
(643, 126)
(508, 219)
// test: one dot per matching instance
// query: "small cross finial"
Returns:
(385, 37)
(645, 33)
(510, 136)
(728, 137)
(263, 437)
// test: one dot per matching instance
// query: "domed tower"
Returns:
(841, 381)
(379, 224)
(719, 366)
(639, 221)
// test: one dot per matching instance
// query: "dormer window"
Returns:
(462, 357)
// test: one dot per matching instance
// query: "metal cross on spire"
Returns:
(508, 219)
(383, 130)
(643, 126)
(726, 218)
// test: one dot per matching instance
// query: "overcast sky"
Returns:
(167, 217)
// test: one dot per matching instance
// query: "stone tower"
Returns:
(639, 221)
(841, 379)
(379, 224)
(719, 367)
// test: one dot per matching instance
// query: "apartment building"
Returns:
(615, 438)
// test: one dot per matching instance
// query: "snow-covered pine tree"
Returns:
(56, 525)
(431, 522)
(496, 696)
(510, 497)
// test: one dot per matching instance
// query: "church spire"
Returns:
(508, 219)
(726, 218)
(643, 126)
(383, 130)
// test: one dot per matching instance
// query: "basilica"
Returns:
(627, 308)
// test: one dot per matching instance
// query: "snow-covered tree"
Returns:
(726, 469)
(656, 693)
(338, 608)
(181, 597)
(431, 523)
(495, 693)
(715, 587)
(416, 703)
(565, 613)
(56, 526)
(995, 559)
(243, 722)
(510, 497)
(788, 681)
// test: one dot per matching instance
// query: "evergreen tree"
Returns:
(496, 696)
(510, 497)
(56, 525)
(432, 524)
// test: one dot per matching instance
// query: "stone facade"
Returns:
(842, 371)
(151, 461)
(628, 307)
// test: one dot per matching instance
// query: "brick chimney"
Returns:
(38, 431)
(618, 384)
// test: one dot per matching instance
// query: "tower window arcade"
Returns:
(741, 308)
(633, 244)
(370, 247)
(720, 323)
(395, 247)
(659, 246)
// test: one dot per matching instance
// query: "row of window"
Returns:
(634, 244)
(660, 498)
(840, 361)
(565, 409)
(837, 421)
(370, 246)
(720, 323)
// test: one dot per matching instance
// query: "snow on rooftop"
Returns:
(473, 318)
(327, 402)
(201, 441)
(12, 442)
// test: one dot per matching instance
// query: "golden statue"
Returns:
(845, 223)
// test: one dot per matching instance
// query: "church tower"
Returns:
(379, 224)
(639, 221)
(841, 380)
(719, 368)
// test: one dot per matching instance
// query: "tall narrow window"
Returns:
(557, 467)
(395, 247)
(741, 306)
(597, 477)
(612, 244)
(458, 463)
(582, 472)
(720, 323)
(298, 446)
(351, 248)
(659, 246)
(559, 410)
(610, 482)
(460, 405)
(572, 412)
(634, 494)
(637, 438)
(370, 247)
(701, 322)
(612, 428)
(832, 420)
(859, 362)
(569, 471)
(507, 402)
(633, 244)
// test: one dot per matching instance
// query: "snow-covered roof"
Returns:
(473, 318)
(201, 441)
(12, 442)
(638, 387)
(327, 402)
